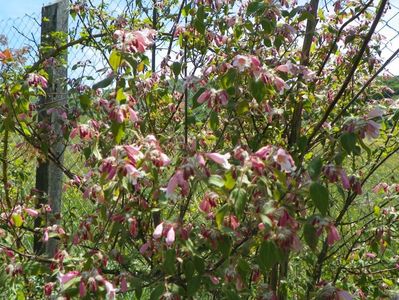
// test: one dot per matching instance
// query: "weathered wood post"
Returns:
(48, 175)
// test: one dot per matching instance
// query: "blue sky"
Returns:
(18, 8)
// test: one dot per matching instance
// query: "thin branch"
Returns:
(352, 71)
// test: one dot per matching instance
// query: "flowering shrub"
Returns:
(240, 168)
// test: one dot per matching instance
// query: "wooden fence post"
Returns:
(48, 175)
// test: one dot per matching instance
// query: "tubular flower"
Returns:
(36, 80)
(64, 278)
(221, 159)
(284, 160)
(134, 41)
(177, 180)
(170, 237)
(332, 234)
(158, 231)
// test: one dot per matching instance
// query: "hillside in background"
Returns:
(393, 83)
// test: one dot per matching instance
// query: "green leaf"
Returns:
(199, 264)
(103, 83)
(314, 167)
(348, 142)
(389, 282)
(85, 101)
(257, 89)
(193, 286)
(229, 182)
(120, 95)
(25, 128)
(254, 7)
(224, 245)
(216, 180)
(176, 68)
(157, 292)
(320, 197)
(118, 131)
(242, 107)
(239, 197)
(199, 22)
(20, 295)
(220, 215)
(267, 25)
(188, 269)
(115, 60)
(17, 219)
(214, 121)
(170, 261)
(231, 295)
(310, 235)
(377, 211)
(243, 267)
(269, 255)
(228, 79)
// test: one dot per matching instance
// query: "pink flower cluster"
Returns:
(124, 160)
(36, 80)
(253, 65)
(134, 41)
(213, 98)
(89, 280)
(122, 112)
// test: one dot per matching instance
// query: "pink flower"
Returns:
(36, 80)
(222, 97)
(82, 289)
(200, 159)
(255, 64)
(133, 153)
(332, 235)
(232, 222)
(133, 115)
(123, 284)
(48, 288)
(213, 98)
(170, 237)
(214, 279)
(205, 96)
(372, 129)
(264, 152)
(382, 186)
(208, 202)
(64, 278)
(31, 212)
(280, 84)
(111, 291)
(133, 173)
(241, 62)
(284, 160)
(221, 159)
(375, 113)
(45, 235)
(144, 248)
(134, 41)
(288, 67)
(177, 180)
(133, 226)
(108, 167)
(344, 295)
(158, 231)
(344, 179)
